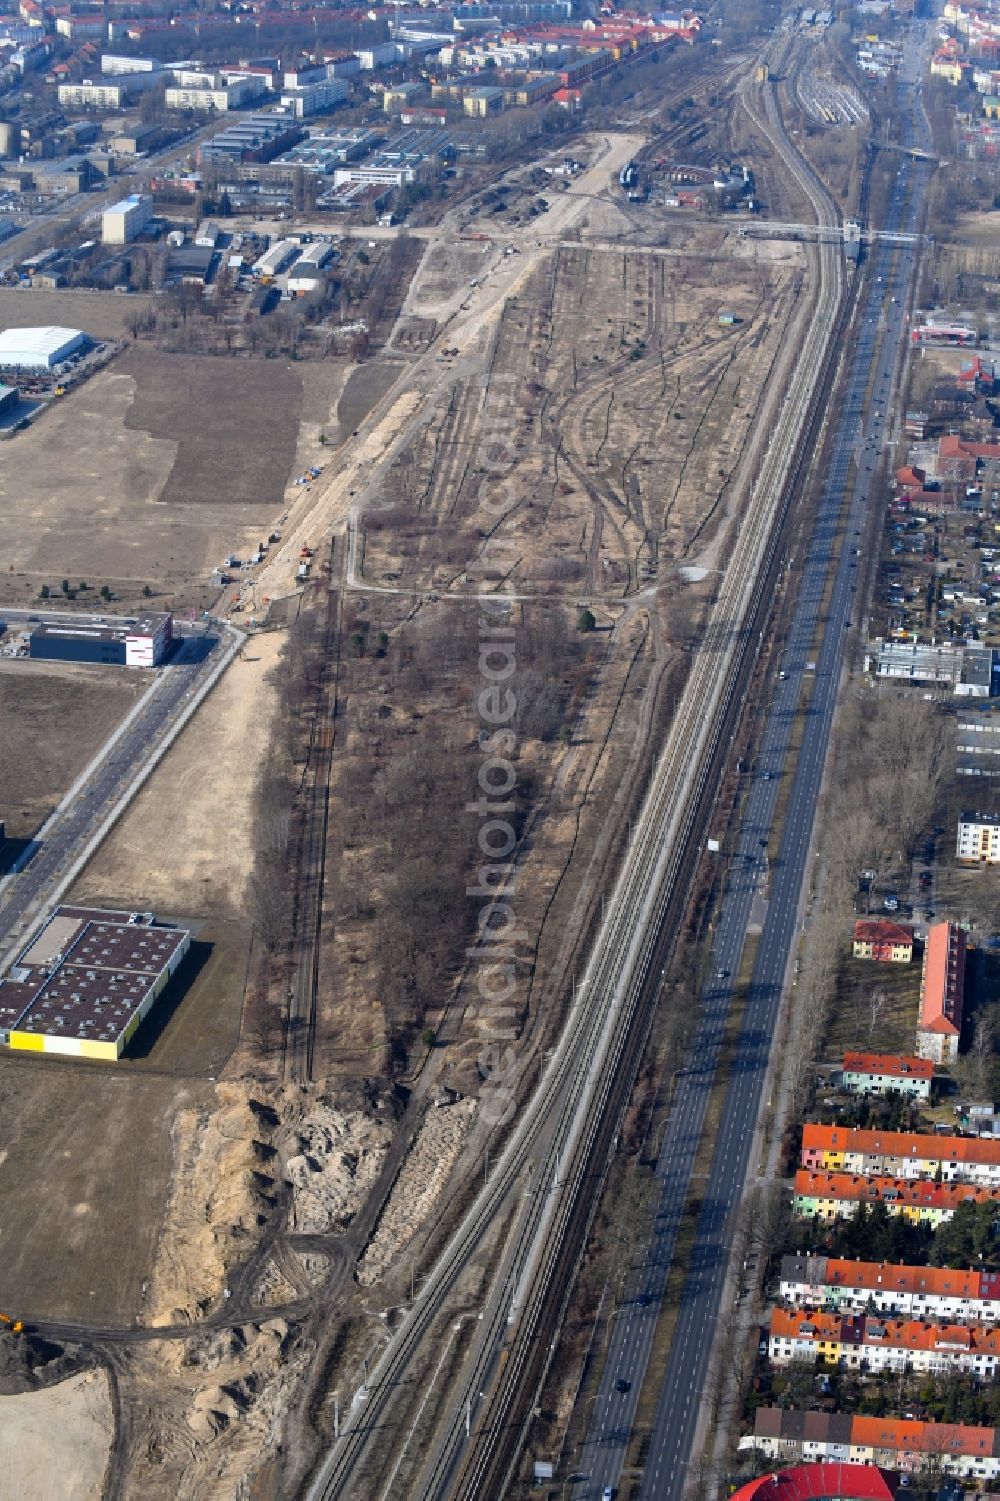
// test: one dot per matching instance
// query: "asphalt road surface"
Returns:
(112, 777)
(758, 887)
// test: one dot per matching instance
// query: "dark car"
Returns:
(621, 1385)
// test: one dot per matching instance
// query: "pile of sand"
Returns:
(55, 1443)
(222, 1194)
(424, 1175)
(332, 1158)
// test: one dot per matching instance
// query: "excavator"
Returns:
(16, 1326)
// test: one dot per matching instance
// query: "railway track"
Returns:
(307, 927)
(564, 1126)
(490, 1462)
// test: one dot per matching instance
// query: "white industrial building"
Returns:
(38, 348)
(207, 234)
(377, 57)
(276, 259)
(123, 221)
(966, 671)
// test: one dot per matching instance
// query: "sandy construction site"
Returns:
(579, 442)
(147, 475)
(621, 406)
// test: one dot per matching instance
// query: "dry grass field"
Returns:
(148, 475)
(100, 314)
(620, 406)
(54, 717)
(84, 1176)
(235, 424)
(87, 1158)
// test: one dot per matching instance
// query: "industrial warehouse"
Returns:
(87, 980)
(39, 348)
(143, 643)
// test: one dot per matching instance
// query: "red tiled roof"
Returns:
(951, 446)
(909, 475)
(939, 1281)
(896, 1065)
(806, 1482)
(865, 1329)
(878, 930)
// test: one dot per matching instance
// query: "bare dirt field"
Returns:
(235, 423)
(195, 1025)
(149, 474)
(624, 408)
(186, 842)
(978, 229)
(84, 1176)
(100, 314)
(55, 1443)
(54, 717)
(365, 387)
(323, 383)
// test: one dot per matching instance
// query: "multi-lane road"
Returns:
(760, 886)
(547, 1166)
(104, 789)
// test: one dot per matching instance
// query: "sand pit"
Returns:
(185, 843)
(55, 1443)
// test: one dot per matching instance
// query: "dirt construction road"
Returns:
(353, 477)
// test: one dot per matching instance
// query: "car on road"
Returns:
(608, 1493)
(621, 1385)
(722, 974)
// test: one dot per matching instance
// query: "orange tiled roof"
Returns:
(930, 1438)
(943, 980)
(912, 1144)
(922, 1193)
(886, 1277)
(907, 1334)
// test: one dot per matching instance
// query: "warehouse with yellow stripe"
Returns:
(87, 980)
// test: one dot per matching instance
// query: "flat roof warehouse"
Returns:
(39, 348)
(86, 982)
(145, 643)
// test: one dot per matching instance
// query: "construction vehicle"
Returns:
(16, 1326)
(60, 390)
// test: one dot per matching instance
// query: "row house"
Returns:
(942, 993)
(901, 1154)
(907, 1446)
(911, 1292)
(863, 1342)
(835, 1196)
(887, 1073)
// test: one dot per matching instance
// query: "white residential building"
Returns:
(978, 840)
(314, 98)
(940, 1294)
